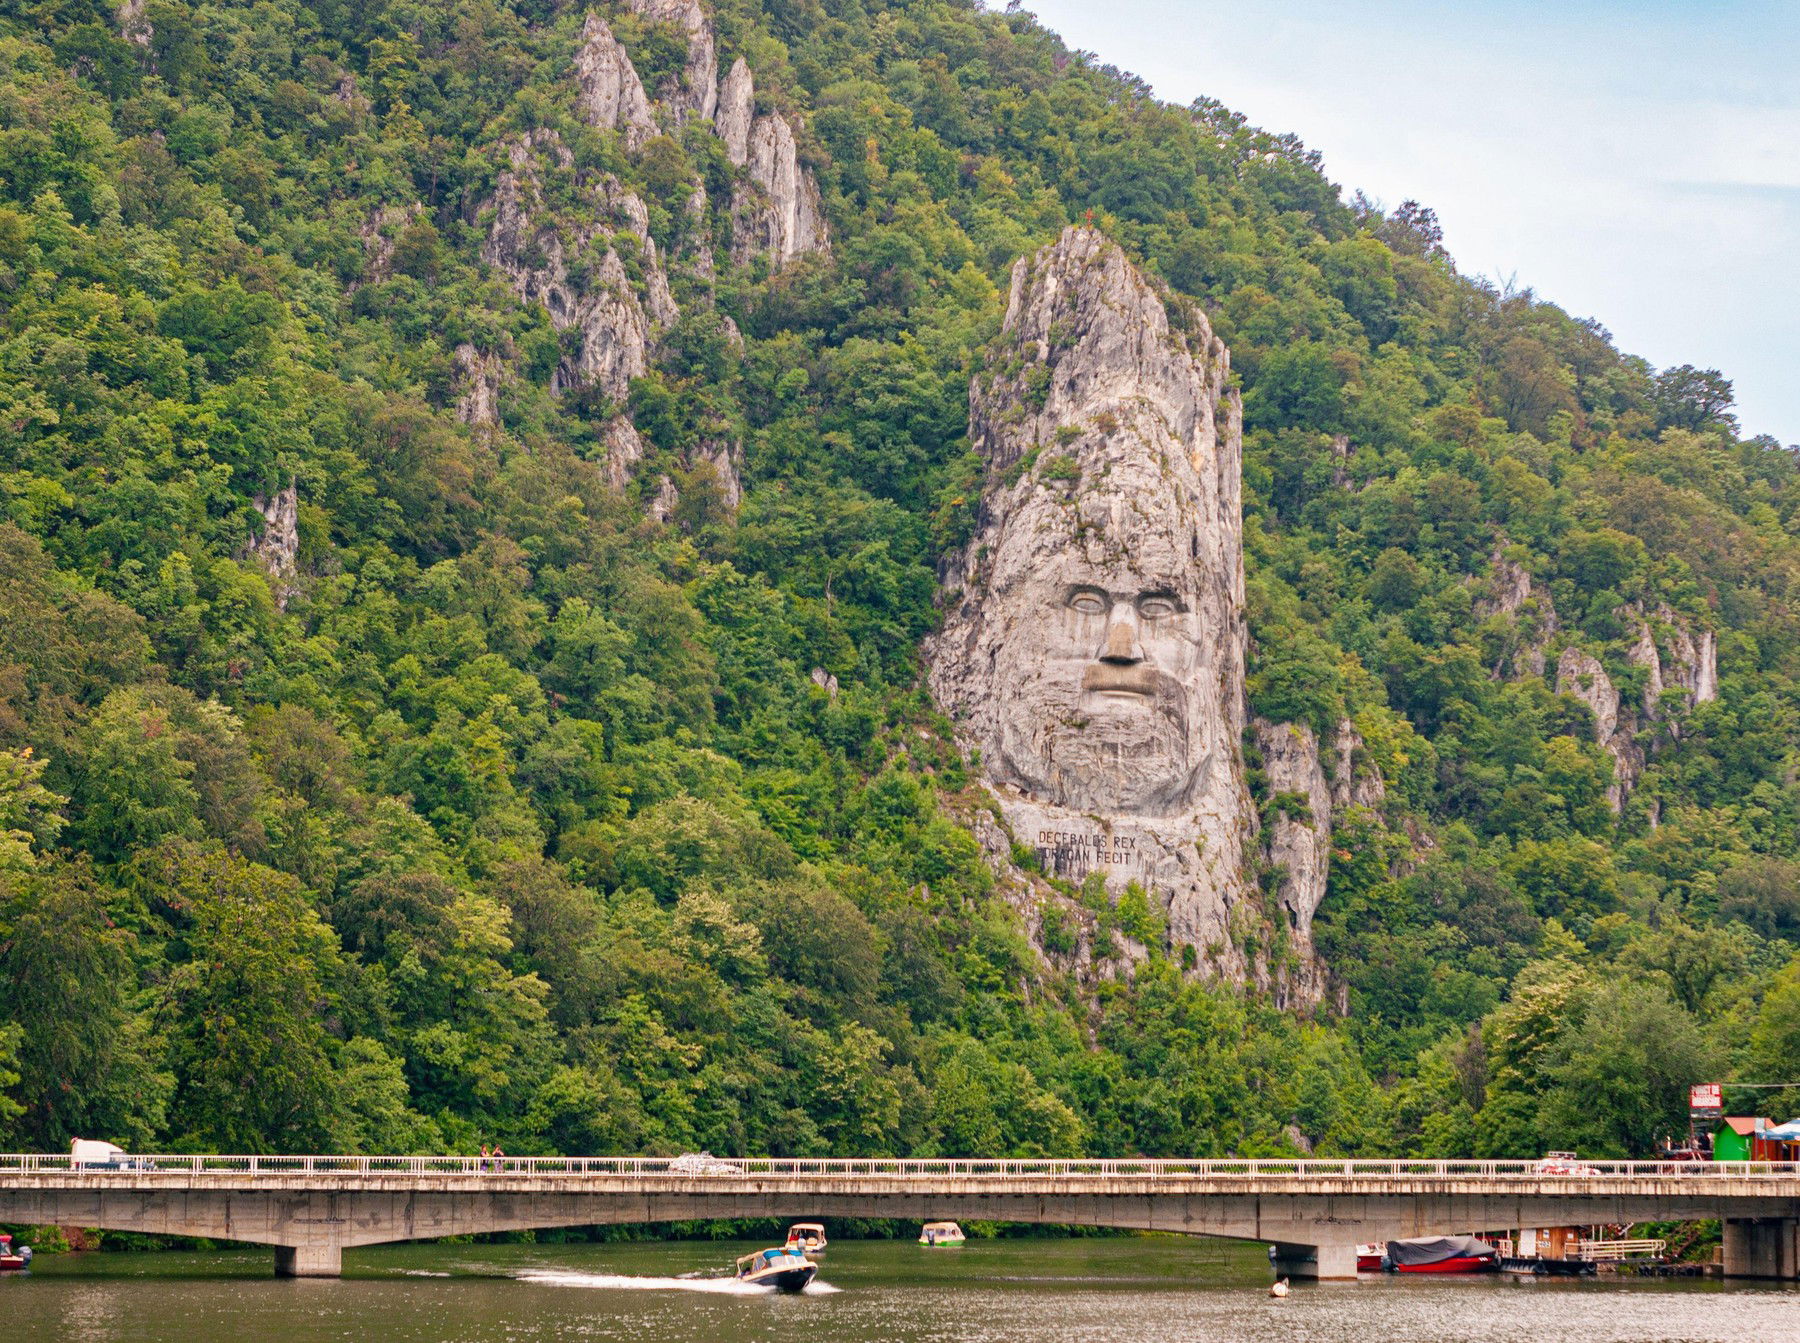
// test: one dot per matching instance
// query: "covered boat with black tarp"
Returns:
(1441, 1254)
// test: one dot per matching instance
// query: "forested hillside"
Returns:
(416, 729)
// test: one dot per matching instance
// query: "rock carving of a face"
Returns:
(1104, 685)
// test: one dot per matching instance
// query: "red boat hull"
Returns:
(1368, 1263)
(1459, 1264)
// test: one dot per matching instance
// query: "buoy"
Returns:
(1279, 1289)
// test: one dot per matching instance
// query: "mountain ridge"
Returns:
(503, 685)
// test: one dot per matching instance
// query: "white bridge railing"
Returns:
(728, 1168)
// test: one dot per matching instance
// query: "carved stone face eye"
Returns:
(1088, 602)
(1155, 608)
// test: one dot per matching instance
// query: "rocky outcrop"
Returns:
(775, 210)
(1354, 781)
(1302, 809)
(777, 213)
(1342, 450)
(1512, 591)
(736, 111)
(612, 96)
(722, 457)
(1093, 649)
(134, 27)
(660, 506)
(695, 92)
(1672, 655)
(1643, 654)
(537, 250)
(1297, 841)
(380, 236)
(1580, 675)
(1680, 656)
(277, 546)
(624, 450)
(479, 374)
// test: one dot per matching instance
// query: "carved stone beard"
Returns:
(1108, 753)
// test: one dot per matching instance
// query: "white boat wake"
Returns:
(620, 1282)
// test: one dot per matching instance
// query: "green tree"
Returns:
(244, 1008)
(89, 1065)
(1619, 1083)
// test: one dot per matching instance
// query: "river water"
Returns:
(1136, 1290)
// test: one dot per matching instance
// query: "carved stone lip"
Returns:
(1111, 678)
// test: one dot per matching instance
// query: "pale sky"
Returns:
(1635, 161)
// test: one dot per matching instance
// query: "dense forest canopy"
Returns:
(503, 809)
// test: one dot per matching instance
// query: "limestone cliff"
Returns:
(1303, 807)
(479, 375)
(1297, 841)
(695, 92)
(134, 27)
(736, 110)
(278, 544)
(1672, 654)
(612, 97)
(1512, 592)
(380, 235)
(1684, 658)
(1579, 674)
(570, 264)
(775, 211)
(1093, 649)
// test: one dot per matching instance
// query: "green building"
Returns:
(1734, 1138)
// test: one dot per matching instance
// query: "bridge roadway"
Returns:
(1314, 1212)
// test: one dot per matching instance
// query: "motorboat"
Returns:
(11, 1259)
(809, 1236)
(1441, 1254)
(783, 1267)
(1369, 1257)
(941, 1235)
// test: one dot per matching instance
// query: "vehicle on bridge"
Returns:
(809, 1236)
(89, 1154)
(703, 1163)
(941, 1235)
(783, 1267)
(1564, 1163)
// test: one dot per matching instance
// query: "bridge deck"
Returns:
(1317, 1210)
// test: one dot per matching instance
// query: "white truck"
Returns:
(91, 1154)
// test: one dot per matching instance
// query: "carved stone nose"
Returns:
(1121, 642)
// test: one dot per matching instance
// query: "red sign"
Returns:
(1707, 1099)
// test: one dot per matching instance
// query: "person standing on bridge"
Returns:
(486, 1164)
(499, 1157)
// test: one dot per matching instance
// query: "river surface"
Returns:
(1137, 1290)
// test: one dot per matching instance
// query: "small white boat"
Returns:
(782, 1267)
(1280, 1288)
(941, 1235)
(809, 1236)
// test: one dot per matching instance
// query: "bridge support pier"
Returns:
(1762, 1247)
(1318, 1263)
(309, 1261)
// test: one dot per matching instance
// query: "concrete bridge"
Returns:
(311, 1208)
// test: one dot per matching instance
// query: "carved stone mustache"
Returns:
(1128, 679)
